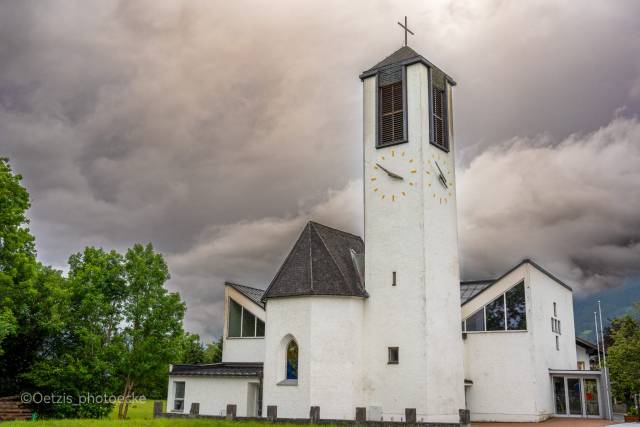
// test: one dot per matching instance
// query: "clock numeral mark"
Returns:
(411, 184)
(393, 153)
(375, 190)
(374, 178)
(410, 160)
(402, 154)
(413, 171)
(404, 194)
(434, 195)
(428, 173)
(393, 197)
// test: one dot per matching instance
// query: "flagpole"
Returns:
(595, 319)
(604, 361)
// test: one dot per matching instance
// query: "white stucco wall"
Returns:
(414, 235)
(510, 370)
(583, 356)
(214, 393)
(546, 291)
(237, 349)
(328, 331)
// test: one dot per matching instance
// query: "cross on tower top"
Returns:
(406, 30)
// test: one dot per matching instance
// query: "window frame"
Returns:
(503, 295)
(405, 128)
(181, 399)
(446, 119)
(255, 323)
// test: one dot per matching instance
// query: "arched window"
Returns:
(292, 360)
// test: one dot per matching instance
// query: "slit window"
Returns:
(440, 133)
(292, 360)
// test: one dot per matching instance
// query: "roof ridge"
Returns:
(335, 229)
(266, 291)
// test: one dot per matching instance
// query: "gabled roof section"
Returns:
(403, 56)
(320, 263)
(472, 288)
(253, 294)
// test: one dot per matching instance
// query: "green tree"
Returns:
(623, 356)
(30, 293)
(153, 331)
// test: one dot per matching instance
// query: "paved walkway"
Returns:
(553, 422)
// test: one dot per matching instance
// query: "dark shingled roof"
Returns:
(403, 56)
(254, 294)
(471, 288)
(219, 369)
(321, 262)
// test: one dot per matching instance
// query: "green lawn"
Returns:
(139, 415)
(138, 423)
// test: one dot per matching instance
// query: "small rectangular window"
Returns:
(394, 355)
(559, 328)
(557, 343)
(555, 310)
(178, 396)
(393, 283)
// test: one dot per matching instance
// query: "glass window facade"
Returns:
(508, 312)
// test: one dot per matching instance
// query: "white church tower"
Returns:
(412, 335)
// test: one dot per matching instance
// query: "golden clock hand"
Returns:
(388, 172)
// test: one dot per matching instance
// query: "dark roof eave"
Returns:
(364, 294)
(418, 59)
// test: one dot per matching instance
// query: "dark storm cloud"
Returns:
(216, 129)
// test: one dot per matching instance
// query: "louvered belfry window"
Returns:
(440, 122)
(391, 114)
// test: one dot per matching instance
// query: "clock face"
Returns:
(393, 176)
(439, 179)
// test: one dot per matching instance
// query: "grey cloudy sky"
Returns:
(216, 129)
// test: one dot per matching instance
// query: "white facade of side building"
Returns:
(510, 371)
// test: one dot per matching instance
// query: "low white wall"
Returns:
(212, 393)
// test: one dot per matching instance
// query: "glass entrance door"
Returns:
(574, 390)
(576, 397)
(592, 408)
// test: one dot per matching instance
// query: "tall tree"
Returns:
(153, 331)
(30, 293)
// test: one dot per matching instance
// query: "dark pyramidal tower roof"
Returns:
(322, 262)
(404, 56)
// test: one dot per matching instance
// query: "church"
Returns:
(384, 326)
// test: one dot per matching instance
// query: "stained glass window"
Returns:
(292, 360)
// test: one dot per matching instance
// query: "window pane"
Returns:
(575, 396)
(179, 389)
(292, 361)
(495, 314)
(235, 313)
(559, 396)
(476, 322)
(260, 328)
(248, 324)
(178, 405)
(516, 308)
